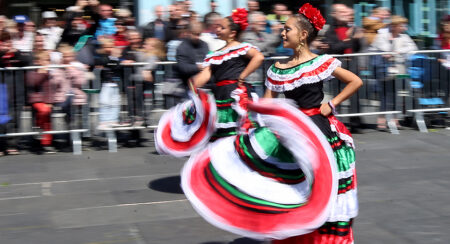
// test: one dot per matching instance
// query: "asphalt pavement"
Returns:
(133, 196)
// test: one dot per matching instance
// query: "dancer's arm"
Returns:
(353, 84)
(270, 94)
(203, 77)
(256, 59)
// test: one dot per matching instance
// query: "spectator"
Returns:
(152, 52)
(123, 13)
(252, 5)
(120, 38)
(212, 22)
(158, 28)
(213, 5)
(371, 27)
(175, 13)
(185, 7)
(383, 15)
(193, 16)
(395, 41)
(275, 24)
(190, 53)
(134, 90)
(180, 34)
(130, 52)
(265, 42)
(23, 39)
(106, 25)
(42, 85)
(5, 118)
(39, 46)
(3, 20)
(77, 27)
(386, 67)
(52, 33)
(9, 56)
(342, 37)
(11, 27)
(108, 58)
(279, 14)
(443, 41)
(75, 75)
(255, 35)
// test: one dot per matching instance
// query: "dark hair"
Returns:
(209, 17)
(5, 36)
(304, 24)
(234, 27)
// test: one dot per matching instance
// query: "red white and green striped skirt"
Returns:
(227, 117)
(276, 181)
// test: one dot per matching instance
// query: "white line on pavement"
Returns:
(91, 179)
(15, 198)
(129, 204)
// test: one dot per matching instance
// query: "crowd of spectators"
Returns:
(92, 35)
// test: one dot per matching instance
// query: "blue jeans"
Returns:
(109, 103)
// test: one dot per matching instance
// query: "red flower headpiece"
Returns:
(239, 16)
(313, 15)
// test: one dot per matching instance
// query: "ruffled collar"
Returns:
(315, 70)
(220, 56)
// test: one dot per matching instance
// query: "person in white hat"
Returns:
(51, 31)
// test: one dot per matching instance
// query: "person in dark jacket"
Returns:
(189, 56)
(157, 28)
(190, 53)
(343, 37)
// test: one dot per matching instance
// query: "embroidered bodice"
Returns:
(227, 64)
(303, 83)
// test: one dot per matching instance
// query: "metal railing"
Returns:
(383, 94)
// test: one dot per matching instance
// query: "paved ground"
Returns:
(133, 196)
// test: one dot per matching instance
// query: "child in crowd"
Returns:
(75, 75)
(45, 87)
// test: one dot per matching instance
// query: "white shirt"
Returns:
(52, 36)
(213, 42)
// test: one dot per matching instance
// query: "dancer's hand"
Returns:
(325, 109)
(241, 81)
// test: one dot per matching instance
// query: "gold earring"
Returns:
(300, 46)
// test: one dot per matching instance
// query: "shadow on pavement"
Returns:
(170, 184)
(242, 240)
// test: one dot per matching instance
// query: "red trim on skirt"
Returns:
(226, 82)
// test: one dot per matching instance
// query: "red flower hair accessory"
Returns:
(239, 16)
(313, 15)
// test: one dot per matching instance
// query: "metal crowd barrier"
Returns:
(383, 94)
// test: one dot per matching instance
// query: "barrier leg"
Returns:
(391, 124)
(112, 141)
(76, 142)
(420, 121)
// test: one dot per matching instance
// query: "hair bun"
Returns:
(313, 15)
(239, 17)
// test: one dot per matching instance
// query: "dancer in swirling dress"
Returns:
(228, 67)
(301, 78)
